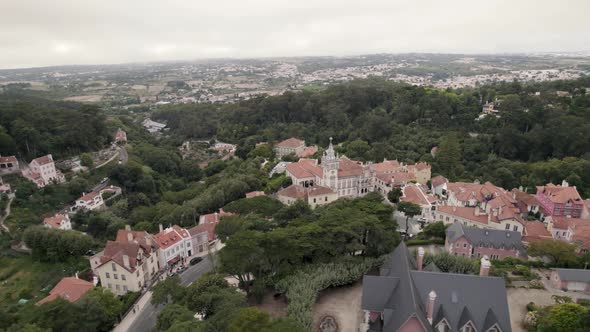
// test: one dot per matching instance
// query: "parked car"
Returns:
(181, 269)
(196, 260)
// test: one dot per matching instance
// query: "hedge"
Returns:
(418, 242)
(303, 287)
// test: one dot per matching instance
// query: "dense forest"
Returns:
(375, 119)
(31, 127)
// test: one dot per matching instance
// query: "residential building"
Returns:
(289, 146)
(42, 172)
(571, 279)
(404, 297)
(438, 186)
(561, 200)
(314, 195)
(58, 221)
(175, 244)
(527, 203)
(349, 178)
(502, 219)
(70, 289)
(479, 242)
(213, 218)
(202, 236)
(8, 165)
(120, 136)
(573, 230)
(307, 152)
(89, 201)
(127, 264)
(413, 193)
(152, 126)
(471, 194)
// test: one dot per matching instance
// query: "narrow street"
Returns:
(6, 214)
(148, 315)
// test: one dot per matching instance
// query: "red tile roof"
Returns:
(201, 228)
(465, 191)
(559, 194)
(171, 236)
(319, 190)
(114, 251)
(308, 152)
(55, 221)
(464, 212)
(438, 180)
(293, 191)
(291, 143)
(387, 166)
(43, 160)
(88, 197)
(349, 167)
(413, 194)
(565, 222)
(69, 289)
(213, 218)
(535, 231)
(8, 159)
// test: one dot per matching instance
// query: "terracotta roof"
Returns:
(418, 166)
(299, 170)
(255, 194)
(559, 194)
(464, 212)
(535, 231)
(293, 191)
(88, 197)
(209, 228)
(565, 222)
(438, 180)
(171, 236)
(349, 167)
(309, 151)
(69, 289)
(413, 194)
(43, 160)
(55, 221)
(291, 143)
(319, 190)
(8, 159)
(114, 251)
(213, 218)
(135, 235)
(581, 236)
(465, 191)
(387, 166)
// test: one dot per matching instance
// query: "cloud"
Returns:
(40, 33)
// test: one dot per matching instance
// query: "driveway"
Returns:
(342, 303)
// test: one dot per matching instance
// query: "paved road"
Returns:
(147, 318)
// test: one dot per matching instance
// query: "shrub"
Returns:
(536, 284)
(420, 242)
(303, 287)
(531, 307)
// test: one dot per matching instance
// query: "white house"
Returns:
(175, 245)
(42, 172)
(59, 221)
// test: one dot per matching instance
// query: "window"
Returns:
(508, 226)
(124, 288)
(123, 277)
(110, 286)
(115, 276)
(326, 199)
(314, 200)
(117, 287)
(108, 275)
(447, 219)
(114, 266)
(515, 228)
(464, 245)
(457, 245)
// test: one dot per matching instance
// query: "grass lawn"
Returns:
(23, 278)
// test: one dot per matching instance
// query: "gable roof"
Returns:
(535, 231)
(494, 237)
(8, 159)
(171, 236)
(438, 180)
(560, 194)
(56, 220)
(47, 159)
(291, 143)
(413, 194)
(69, 289)
(573, 275)
(400, 293)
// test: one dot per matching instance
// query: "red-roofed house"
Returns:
(202, 235)
(8, 165)
(438, 186)
(128, 264)
(175, 244)
(307, 152)
(213, 218)
(414, 194)
(471, 194)
(70, 289)
(314, 196)
(289, 146)
(120, 136)
(59, 221)
(42, 172)
(561, 200)
(90, 201)
(495, 218)
(535, 231)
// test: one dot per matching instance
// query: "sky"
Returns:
(65, 32)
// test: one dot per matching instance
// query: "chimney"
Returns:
(420, 258)
(430, 306)
(127, 227)
(564, 183)
(126, 261)
(95, 280)
(77, 275)
(129, 237)
(484, 269)
(476, 212)
(216, 217)
(161, 228)
(148, 241)
(489, 218)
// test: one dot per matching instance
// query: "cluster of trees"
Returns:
(269, 248)
(377, 119)
(51, 245)
(560, 253)
(31, 127)
(564, 316)
(220, 305)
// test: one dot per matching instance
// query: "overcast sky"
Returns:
(61, 32)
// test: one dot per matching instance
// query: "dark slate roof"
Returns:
(574, 275)
(494, 237)
(466, 297)
(400, 293)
